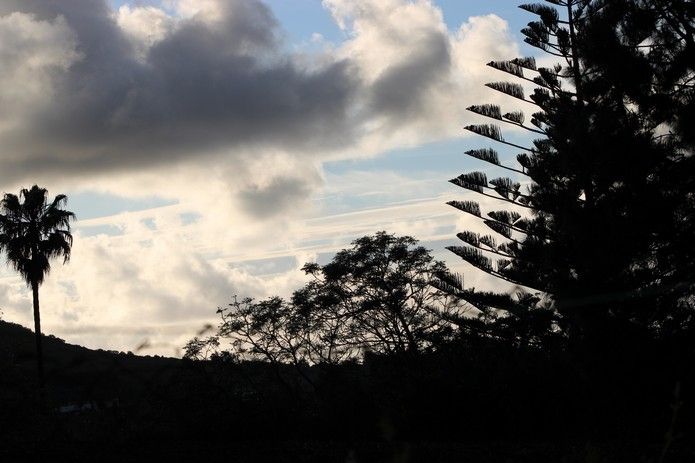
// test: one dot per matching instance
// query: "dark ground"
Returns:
(470, 402)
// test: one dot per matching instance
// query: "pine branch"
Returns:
(485, 154)
(469, 207)
(500, 228)
(493, 132)
(510, 89)
(526, 62)
(510, 67)
(494, 112)
(540, 96)
(506, 187)
(488, 241)
(545, 47)
(503, 264)
(490, 156)
(476, 241)
(474, 181)
(516, 118)
(509, 220)
(487, 110)
(524, 160)
(505, 216)
(548, 15)
(477, 182)
(487, 130)
(496, 300)
(473, 208)
(476, 258)
(469, 237)
(450, 283)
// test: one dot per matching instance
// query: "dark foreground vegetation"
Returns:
(472, 400)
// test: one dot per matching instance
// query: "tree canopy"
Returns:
(603, 223)
(376, 296)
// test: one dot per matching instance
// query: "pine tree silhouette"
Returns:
(607, 204)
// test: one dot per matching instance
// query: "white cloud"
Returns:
(210, 10)
(31, 51)
(144, 26)
(419, 77)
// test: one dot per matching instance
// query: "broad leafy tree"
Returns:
(376, 296)
(33, 231)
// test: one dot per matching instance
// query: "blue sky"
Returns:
(189, 191)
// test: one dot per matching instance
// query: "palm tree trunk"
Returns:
(37, 334)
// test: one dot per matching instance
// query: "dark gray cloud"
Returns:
(427, 67)
(206, 87)
(203, 88)
(279, 195)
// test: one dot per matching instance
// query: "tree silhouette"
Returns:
(601, 226)
(32, 232)
(647, 58)
(380, 288)
(376, 296)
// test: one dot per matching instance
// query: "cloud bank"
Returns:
(203, 102)
(87, 90)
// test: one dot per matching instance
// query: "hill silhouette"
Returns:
(76, 374)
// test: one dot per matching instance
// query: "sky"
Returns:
(211, 147)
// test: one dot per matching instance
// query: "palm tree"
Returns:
(32, 232)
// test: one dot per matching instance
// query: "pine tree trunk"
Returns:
(37, 334)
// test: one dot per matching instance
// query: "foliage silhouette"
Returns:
(34, 230)
(374, 297)
(603, 231)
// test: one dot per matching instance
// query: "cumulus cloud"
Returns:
(31, 52)
(144, 27)
(151, 281)
(201, 102)
(141, 87)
